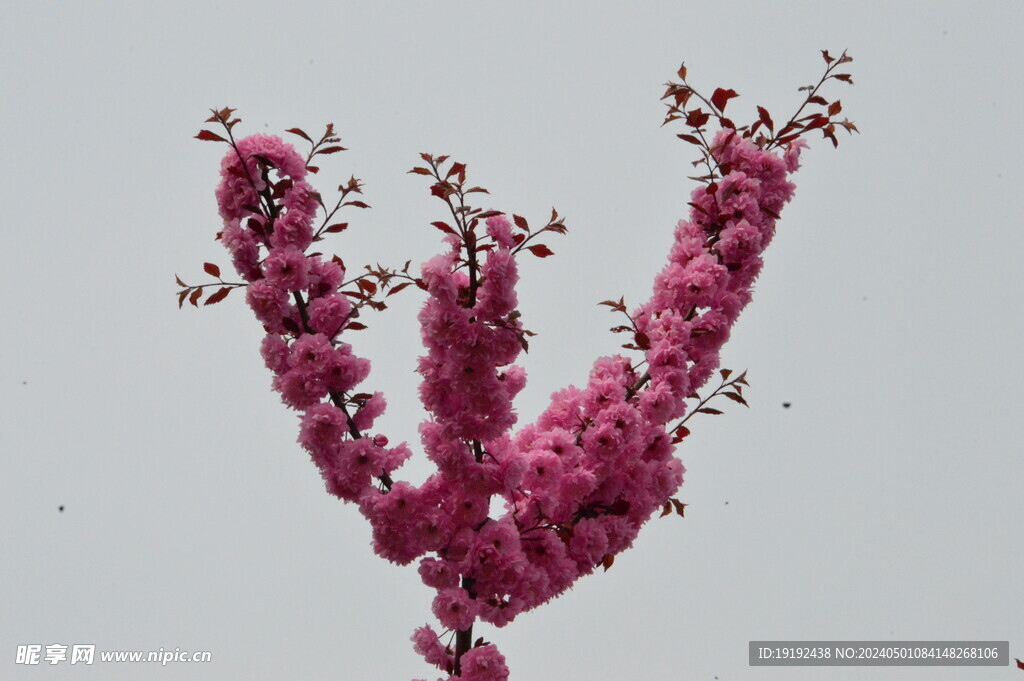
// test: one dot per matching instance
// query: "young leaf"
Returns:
(540, 250)
(300, 133)
(398, 288)
(722, 97)
(443, 226)
(220, 295)
(211, 269)
(208, 136)
(736, 397)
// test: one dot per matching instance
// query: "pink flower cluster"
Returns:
(577, 485)
(297, 298)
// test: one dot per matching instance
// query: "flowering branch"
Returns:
(579, 482)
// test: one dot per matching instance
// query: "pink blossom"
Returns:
(327, 314)
(286, 269)
(269, 303)
(427, 643)
(454, 608)
(369, 412)
(244, 249)
(325, 276)
(484, 663)
(499, 228)
(275, 352)
(294, 229)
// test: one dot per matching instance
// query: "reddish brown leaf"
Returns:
(456, 169)
(819, 122)
(691, 139)
(765, 118)
(220, 295)
(736, 397)
(709, 410)
(196, 295)
(331, 150)
(208, 136)
(607, 561)
(398, 288)
(828, 59)
(180, 282)
(722, 97)
(211, 269)
(300, 133)
(340, 227)
(355, 326)
(420, 171)
(696, 118)
(834, 108)
(521, 222)
(540, 250)
(444, 227)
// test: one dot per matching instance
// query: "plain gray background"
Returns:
(884, 504)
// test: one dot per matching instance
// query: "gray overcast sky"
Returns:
(884, 504)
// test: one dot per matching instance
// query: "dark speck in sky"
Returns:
(60, 508)
(787, 405)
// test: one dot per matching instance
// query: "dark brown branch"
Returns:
(464, 638)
